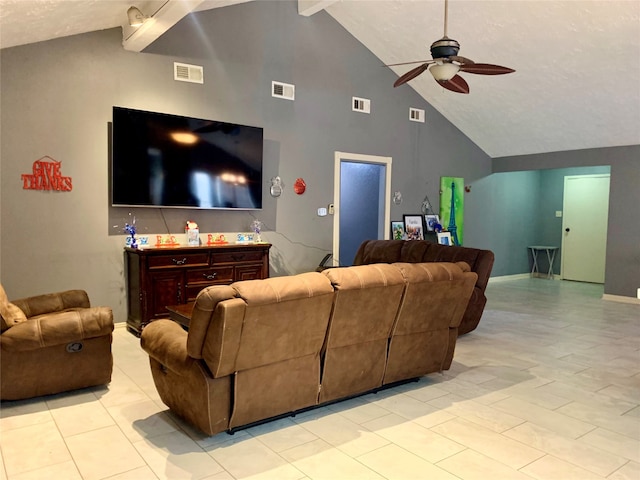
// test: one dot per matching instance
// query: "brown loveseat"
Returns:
(258, 349)
(414, 251)
(53, 343)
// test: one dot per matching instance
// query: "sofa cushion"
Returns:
(282, 318)
(281, 289)
(443, 253)
(415, 251)
(379, 251)
(10, 314)
(366, 303)
(367, 299)
(53, 302)
(434, 302)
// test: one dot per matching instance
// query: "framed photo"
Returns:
(414, 227)
(444, 238)
(430, 221)
(397, 231)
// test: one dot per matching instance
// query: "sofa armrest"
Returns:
(58, 328)
(53, 302)
(483, 268)
(166, 342)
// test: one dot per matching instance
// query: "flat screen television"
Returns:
(161, 160)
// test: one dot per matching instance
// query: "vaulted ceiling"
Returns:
(577, 79)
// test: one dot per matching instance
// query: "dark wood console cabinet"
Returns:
(158, 277)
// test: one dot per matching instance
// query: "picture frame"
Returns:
(444, 238)
(430, 221)
(414, 227)
(397, 231)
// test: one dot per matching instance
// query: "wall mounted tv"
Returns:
(161, 160)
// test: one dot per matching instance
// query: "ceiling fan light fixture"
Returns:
(444, 72)
(136, 17)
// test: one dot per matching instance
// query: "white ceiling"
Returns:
(577, 79)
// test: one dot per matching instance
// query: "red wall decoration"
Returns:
(46, 175)
(299, 187)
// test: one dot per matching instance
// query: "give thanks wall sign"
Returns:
(46, 174)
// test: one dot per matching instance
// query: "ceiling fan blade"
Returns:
(485, 69)
(411, 74)
(456, 84)
(408, 63)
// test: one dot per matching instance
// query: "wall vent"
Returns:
(416, 115)
(283, 90)
(183, 72)
(362, 105)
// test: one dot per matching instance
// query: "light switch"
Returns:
(558, 213)
(322, 212)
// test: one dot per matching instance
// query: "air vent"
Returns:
(362, 105)
(184, 72)
(283, 90)
(416, 115)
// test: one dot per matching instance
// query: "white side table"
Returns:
(551, 255)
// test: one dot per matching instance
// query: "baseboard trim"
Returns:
(620, 299)
(504, 278)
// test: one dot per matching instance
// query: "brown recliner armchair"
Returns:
(53, 343)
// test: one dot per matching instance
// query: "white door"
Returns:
(362, 193)
(584, 225)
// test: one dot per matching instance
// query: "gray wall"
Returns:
(622, 272)
(523, 206)
(507, 218)
(57, 98)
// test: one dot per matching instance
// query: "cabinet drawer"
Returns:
(178, 260)
(248, 272)
(235, 257)
(210, 275)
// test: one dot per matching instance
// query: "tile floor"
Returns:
(548, 387)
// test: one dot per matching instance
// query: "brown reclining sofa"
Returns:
(415, 251)
(259, 349)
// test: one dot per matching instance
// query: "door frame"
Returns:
(340, 157)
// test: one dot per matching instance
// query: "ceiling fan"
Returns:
(446, 64)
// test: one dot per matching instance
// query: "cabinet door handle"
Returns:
(179, 262)
(211, 276)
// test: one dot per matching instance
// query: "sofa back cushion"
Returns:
(286, 317)
(366, 302)
(435, 299)
(277, 361)
(416, 251)
(379, 251)
(53, 302)
(367, 298)
(259, 322)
